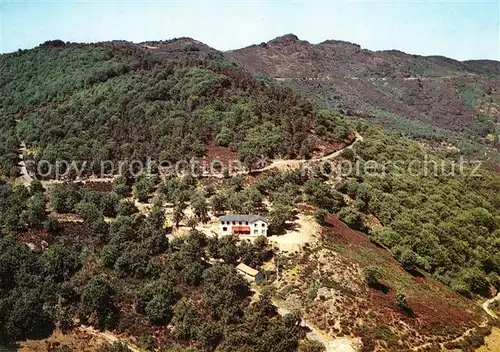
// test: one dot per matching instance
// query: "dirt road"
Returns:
(24, 171)
(486, 306)
(107, 336)
(291, 163)
(342, 344)
(297, 162)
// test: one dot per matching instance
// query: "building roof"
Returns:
(247, 270)
(239, 217)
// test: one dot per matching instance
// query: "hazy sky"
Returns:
(462, 30)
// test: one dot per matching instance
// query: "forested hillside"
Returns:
(127, 275)
(445, 220)
(127, 254)
(117, 101)
(114, 267)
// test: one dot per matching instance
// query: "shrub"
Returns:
(351, 217)
(401, 300)
(311, 346)
(372, 275)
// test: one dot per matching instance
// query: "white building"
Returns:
(252, 225)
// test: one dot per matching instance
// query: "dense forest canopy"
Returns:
(446, 223)
(119, 101)
(125, 274)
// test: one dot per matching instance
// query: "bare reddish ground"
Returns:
(39, 238)
(431, 314)
(213, 153)
(323, 147)
(343, 234)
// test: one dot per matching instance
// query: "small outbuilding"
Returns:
(249, 273)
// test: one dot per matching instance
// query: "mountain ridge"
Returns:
(428, 98)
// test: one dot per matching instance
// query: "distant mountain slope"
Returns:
(168, 100)
(430, 98)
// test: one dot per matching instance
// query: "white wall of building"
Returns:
(257, 228)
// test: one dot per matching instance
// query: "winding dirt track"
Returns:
(276, 164)
(107, 336)
(291, 163)
(486, 306)
(297, 162)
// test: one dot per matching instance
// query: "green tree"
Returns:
(127, 208)
(320, 216)
(278, 217)
(109, 204)
(133, 262)
(109, 254)
(121, 187)
(36, 187)
(26, 317)
(475, 280)
(228, 249)
(219, 203)
(143, 188)
(158, 312)
(59, 263)
(200, 208)
(351, 217)
(191, 222)
(253, 199)
(187, 320)
(178, 213)
(371, 275)
(209, 334)
(156, 300)
(401, 302)
(88, 211)
(64, 197)
(98, 302)
(35, 215)
(323, 196)
(311, 346)
(114, 347)
(408, 259)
